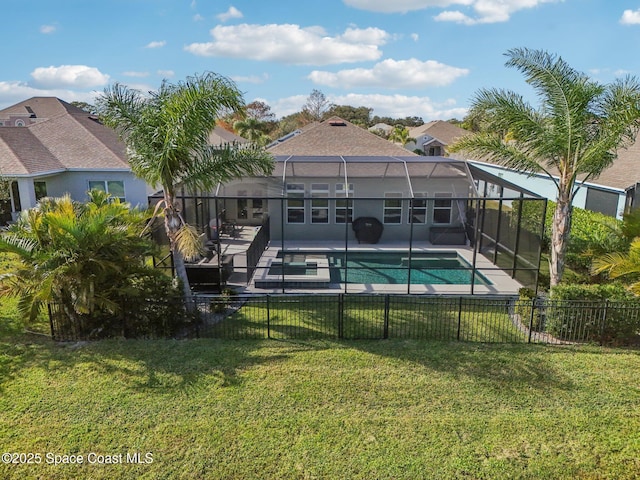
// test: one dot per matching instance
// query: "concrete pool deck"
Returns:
(501, 282)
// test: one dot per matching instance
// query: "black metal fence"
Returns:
(366, 316)
(419, 317)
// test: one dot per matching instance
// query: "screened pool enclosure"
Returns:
(354, 224)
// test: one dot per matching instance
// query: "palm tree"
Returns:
(400, 134)
(625, 265)
(252, 129)
(76, 255)
(575, 132)
(166, 134)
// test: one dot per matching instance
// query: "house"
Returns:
(49, 147)
(338, 186)
(335, 172)
(432, 138)
(615, 191)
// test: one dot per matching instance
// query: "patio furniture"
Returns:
(367, 229)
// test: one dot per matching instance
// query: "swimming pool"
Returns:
(388, 267)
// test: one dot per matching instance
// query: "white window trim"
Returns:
(425, 210)
(298, 194)
(341, 193)
(320, 191)
(391, 195)
(105, 185)
(450, 207)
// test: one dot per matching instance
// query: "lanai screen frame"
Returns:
(489, 244)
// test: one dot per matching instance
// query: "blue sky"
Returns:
(400, 57)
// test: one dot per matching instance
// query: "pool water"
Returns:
(391, 267)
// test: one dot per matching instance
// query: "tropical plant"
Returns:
(79, 256)
(622, 265)
(166, 134)
(575, 132)
(400, 134)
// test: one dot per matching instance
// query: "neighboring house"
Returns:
(49, 147)
(319, 168)
(432, 138)
(615, 191)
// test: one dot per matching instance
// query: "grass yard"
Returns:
(266, 409)
(363, 317)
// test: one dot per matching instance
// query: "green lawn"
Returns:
(268, 409)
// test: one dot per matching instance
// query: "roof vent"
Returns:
(338, 123)
(31, 112)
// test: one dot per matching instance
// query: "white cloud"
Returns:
(291, 44)
(396, 106)
(47, 29)
(156, 44)
(485, 11)
(73, 76)
(233, 12)
(391, 73)
(198, 18)
(14, 92)
(166, 73)
(402, 6)
(255, 79)
(630, 17)
(136, 74)
(415, 37)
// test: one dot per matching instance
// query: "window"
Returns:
(257, 208)
(418, 209)
(319, 203)
(295, 203)
(40, 189)
(392, 213)
(113, 187)
(344, 206)
(442, 208)
(242, 211)
(19, 123)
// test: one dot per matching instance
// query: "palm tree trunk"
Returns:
(172, 224)
(561, 227)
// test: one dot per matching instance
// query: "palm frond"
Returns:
(189, 242)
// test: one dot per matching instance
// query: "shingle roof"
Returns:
(336, 136)
(221, 136)
(62, 137)
(21, 153)
(445, 132)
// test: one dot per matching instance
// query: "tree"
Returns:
(577, 130)
(400, 134)
(253, 130)
(79, 256)
(87, 107)
(316, 105)
(357, 115)
(166, 134)
(260, 111)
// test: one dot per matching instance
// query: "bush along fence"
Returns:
(361, 316)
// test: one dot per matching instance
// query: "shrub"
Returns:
(523, 308)
(604, 313)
